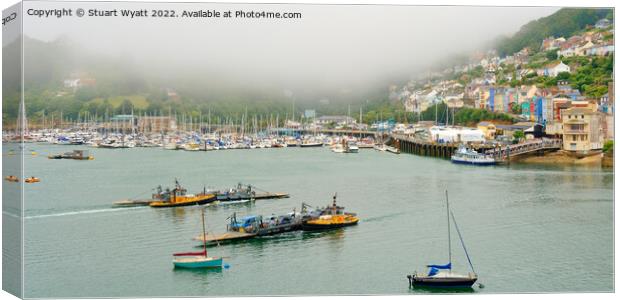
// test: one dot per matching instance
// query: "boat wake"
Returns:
(82, 212)
(379, 218)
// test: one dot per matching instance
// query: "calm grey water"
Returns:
(528, 228)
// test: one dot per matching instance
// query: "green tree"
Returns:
(608, 146)
(563, 76)
(518, 135)
(551, 55)
(126, 107)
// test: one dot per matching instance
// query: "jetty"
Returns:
(413, 145)
(267, 195)
(528, 147)
(257, 196)
(505, 153)
(224, 237)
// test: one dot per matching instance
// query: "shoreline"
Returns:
(560, 157)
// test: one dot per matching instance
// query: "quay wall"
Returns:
(415, 146)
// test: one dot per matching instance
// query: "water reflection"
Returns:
(199, 274)
(330, 235)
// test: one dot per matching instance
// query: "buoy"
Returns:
(226, 266)
(480, 285)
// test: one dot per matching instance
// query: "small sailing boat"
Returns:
(195, 260)
(441, 276)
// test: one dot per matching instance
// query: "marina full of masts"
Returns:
(127, 133)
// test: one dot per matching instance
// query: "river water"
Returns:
(527, 228)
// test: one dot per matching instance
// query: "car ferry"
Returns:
(265, 225)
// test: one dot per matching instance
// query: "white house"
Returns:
(553, 69)
(602, 23)
(72, 83)
(583, 49)
(601, 50)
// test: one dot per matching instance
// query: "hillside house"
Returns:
(601, 49)
(553, 69)
(602, 24)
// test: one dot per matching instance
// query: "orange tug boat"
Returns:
(179, 197)
(32, 179)
(328, 218)
(12, 178)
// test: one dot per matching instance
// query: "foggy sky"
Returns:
(331, 44)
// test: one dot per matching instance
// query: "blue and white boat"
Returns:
(442, 276)
(463, 155)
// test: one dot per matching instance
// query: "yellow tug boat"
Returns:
(330, 217)
(179, 197)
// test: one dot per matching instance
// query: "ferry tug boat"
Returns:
(463, 155)
(179, 197)
(327, 218)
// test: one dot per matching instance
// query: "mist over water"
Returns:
(329, 47)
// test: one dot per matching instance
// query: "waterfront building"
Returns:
(336, 120)
(554, 129)
(156, 124)
(547, 110)
(499, 100)
(488, 129)
(560, 102)
(582, 130)
(530, 129)
(442, 134)
(525, 110)
(490, 103)
(124, 123)
(608, 128)
(292, 124)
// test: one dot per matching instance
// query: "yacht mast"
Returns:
(449, 240)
